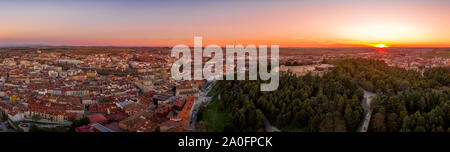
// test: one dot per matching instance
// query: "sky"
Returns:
(289, 23)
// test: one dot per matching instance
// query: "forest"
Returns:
(406, 100)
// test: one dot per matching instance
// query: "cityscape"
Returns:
(333, 66)
(131, 90)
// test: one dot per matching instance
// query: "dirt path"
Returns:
(269, 127)
(368, 96)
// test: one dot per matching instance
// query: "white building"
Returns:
(52, 74)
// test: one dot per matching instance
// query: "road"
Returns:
(368, 96)
(202, 98)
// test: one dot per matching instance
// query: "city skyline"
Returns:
(288, 24)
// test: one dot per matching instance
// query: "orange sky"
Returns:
(287, 23)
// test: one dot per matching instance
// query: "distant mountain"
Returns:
(3, 45)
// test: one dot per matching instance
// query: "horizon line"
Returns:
(165, 46)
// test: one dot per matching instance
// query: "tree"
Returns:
(259, 119)
(77, 123)
(340, 104)
(326, 125)
(34, 128)
(311, 102)
(378, 123)
(392, 122)
(230, 128)
(157, 128)
(350, 118)
(339, 123)
(36, 117)
(420, 129)
(4, 116)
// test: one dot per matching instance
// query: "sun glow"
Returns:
(381, 45)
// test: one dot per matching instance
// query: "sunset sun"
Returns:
(381, 45)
